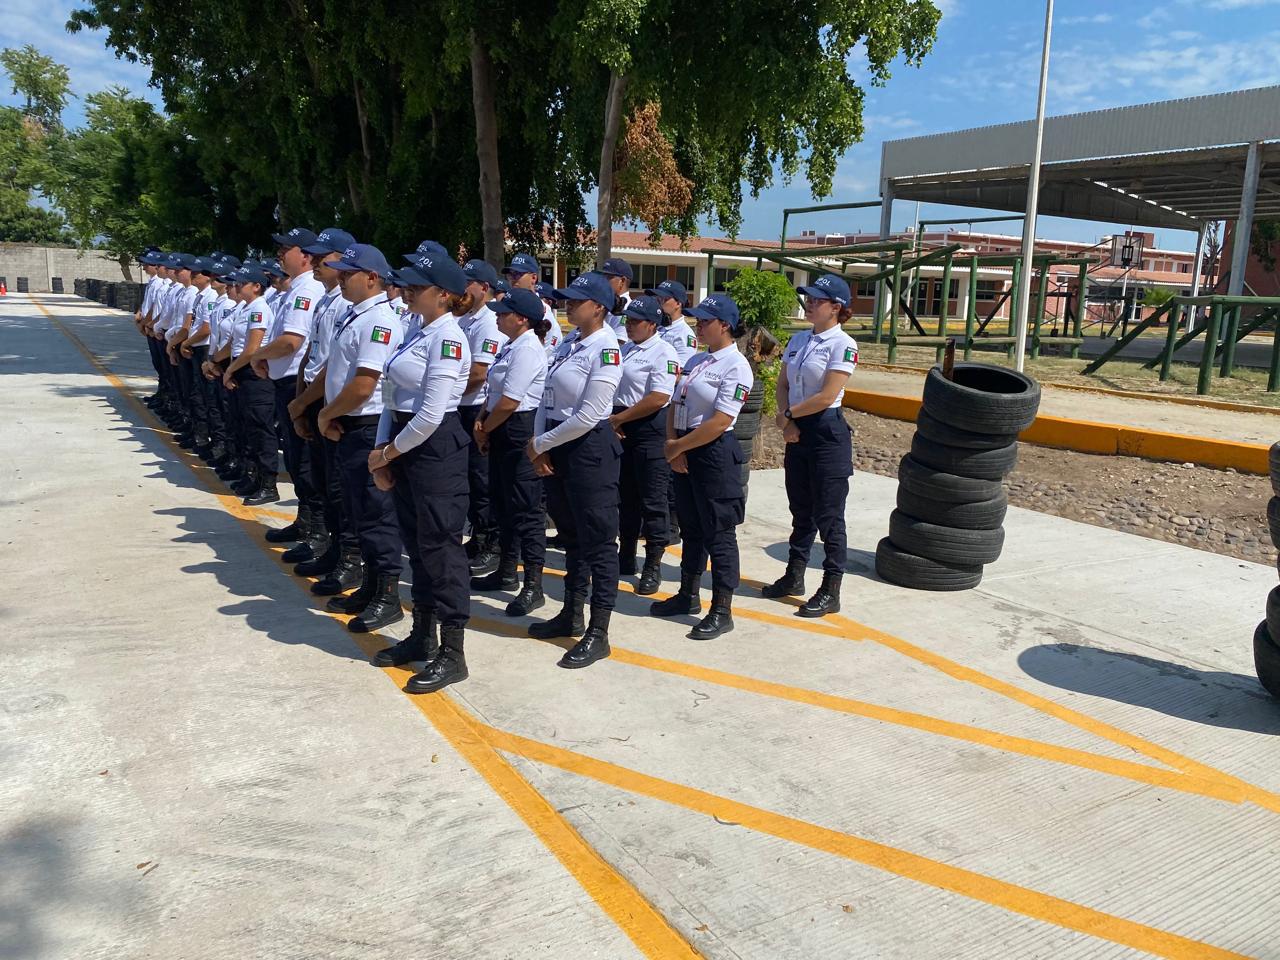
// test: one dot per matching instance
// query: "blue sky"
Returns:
(983, 70)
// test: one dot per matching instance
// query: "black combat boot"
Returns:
(719, 618)
(530, 597)
(355, 602)
(266, 493)
(448, 667)
(503, 578)
(384, 606)
(248, 482)
(324, 563)
(218, 455)
(421, 643)
(566, 623)
(348, 573)
(790, 584)
(593, 646)
(826, 600)
(651, 575)
(487, 556)
(315, 545)
(295, 531)
(685, 601)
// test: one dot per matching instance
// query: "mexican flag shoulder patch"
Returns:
(450, 350)
(673, 367)
(610, 357)
(740, 393)
(380, 335)
(255, 317)
(691, 341)
(489, 346)
(850, 355)
(302, 303)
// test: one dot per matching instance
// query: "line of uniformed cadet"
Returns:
(413, 403)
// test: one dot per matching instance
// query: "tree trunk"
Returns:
(125, 262)
(367, 153)
(604, 197)
(486, 114)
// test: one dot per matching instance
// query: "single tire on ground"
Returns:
(982, 515)
(907, 570)
(1266, 658)
(982, 398)
(934, 429)
(1273, 612)
(950, 545)
(979, 464)
(924, 481)
(1273, 519)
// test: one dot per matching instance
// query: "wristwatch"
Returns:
(787, 413)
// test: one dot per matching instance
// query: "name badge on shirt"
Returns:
(682, 417)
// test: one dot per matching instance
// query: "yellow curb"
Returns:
(1085, 436)
(1207, 402)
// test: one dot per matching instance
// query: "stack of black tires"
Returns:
(951, 501)
(1266, 638)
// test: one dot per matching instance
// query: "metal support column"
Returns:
(1082, 300)
(1244, 223)
(1042, 294)
(971, 309)
(1196, 268)
(886, 228)
(1205, 381)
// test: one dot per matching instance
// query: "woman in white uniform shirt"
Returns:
(578, 453)
(649, 372)
(819, 455)
(707, 460)
(515, 388)
(421, 454)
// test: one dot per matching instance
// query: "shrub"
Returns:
(765, 299)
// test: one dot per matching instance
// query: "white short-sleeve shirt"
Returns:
(597, 357)
(295, 312)
(648, 367)
(364, 339)
(810, 356)
(485, 339)
(712, 382)
(328, 311)
(519, 373)
(682, 339)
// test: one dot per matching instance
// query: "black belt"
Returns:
(400, 418)
(366, 420)
(685, 433)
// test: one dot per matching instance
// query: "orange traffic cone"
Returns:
(3, 289)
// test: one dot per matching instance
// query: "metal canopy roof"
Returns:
(1170, 164)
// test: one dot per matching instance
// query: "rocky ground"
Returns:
(1221, 511)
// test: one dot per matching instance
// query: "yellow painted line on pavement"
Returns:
(651, 933)
(934, 873)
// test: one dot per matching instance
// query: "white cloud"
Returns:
(1096, 18)
(1240, 4)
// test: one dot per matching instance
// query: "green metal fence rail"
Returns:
(1227, 321)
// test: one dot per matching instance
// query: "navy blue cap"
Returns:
(362, 256)
(501, 286)
(329, 240)
(545, 290)
(524, 302)
(153, 258)
(250, 273)
(481, 271)
(644, 308)
(523, 263)
(829, 286)
(670, 288)
(297, 237)
(392, 278)
(180, 261)
(228, 262)
(613, 267)
(717, 306)
(430, 248)
(272, 268)
(427, 270)
(206, 265)
(589, 286)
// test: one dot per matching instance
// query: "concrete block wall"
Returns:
(41, 264)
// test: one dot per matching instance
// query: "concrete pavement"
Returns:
(1073, 760)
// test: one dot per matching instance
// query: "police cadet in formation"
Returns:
(255, 394)
(515, 387)
(672, 298)
(149, 260)
(190, 347)
(229, 329)
(152, 308)
(177, 307)
(331, 550)
(619, 274)
(421, 456)
(199, 353)
(577, 452)
(707, 460)
(480, 325)
(555, 333)
(819, 444)
(649, 372)
(363, 340)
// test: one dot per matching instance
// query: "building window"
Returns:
(648, 275)
(791, 277)
(1184, 268)
(866, 289)
(548, 273)
(684, 277)
(723, 277)
(989, 290)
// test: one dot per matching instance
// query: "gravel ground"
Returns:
(1221, 511)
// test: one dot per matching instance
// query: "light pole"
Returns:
(1033, 198)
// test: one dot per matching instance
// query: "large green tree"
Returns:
(29, 134)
